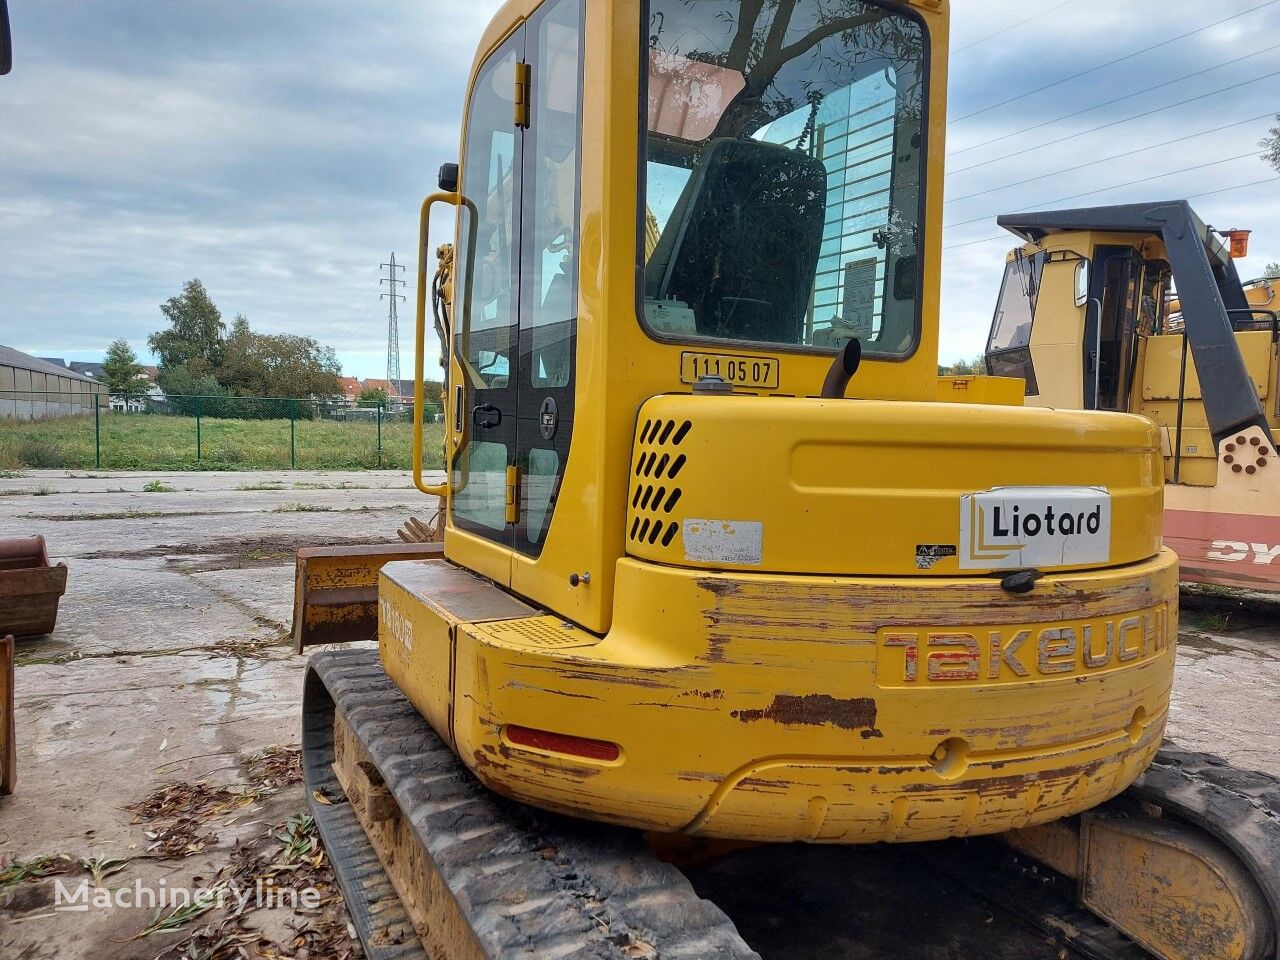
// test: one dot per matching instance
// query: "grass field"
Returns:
(150, 442)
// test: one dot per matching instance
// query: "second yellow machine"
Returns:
(723, 556)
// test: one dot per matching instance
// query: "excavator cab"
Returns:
(687, 585)
(1140, 309)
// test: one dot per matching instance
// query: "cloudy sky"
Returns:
(279, 150)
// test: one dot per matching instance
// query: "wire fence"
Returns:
(48, 429)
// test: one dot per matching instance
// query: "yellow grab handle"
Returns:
(420, 332)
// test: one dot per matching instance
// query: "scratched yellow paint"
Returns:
(754, 706)
(756, 696)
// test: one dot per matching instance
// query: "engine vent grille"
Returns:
(655, 491)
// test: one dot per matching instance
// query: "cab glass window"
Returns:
(1009, 346)
(489, 271)
(783, 173)
(551, 206)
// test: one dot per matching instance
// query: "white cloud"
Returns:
(280, 151)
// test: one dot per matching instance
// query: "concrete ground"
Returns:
(170, 670)
(170, 665)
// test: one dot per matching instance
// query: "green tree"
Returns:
(195, 335)
(1271, 271)
(372, 397)
(964, 368)
(1271, 146)
(181, 385)
(121, 369)
(276, 365)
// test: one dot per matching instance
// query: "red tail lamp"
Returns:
(562, 743)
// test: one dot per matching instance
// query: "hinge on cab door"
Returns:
(524, 83)
(513, 494)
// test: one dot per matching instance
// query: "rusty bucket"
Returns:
(29, 587)
(8, 739)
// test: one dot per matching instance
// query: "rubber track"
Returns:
(1240, 808)
(529, 884)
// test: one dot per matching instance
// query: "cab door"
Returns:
(1111, 336)
(549, 266)
(487, 329)
(516, 334)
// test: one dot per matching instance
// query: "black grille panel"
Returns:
(655, 494)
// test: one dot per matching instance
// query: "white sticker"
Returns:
(739, 542)
(1010, 528)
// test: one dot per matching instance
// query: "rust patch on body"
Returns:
(815, 710)
(704, 694)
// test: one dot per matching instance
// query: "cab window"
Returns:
(1009, 346)
(783, 174)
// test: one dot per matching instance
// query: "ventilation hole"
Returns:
(657, 529)
(680, 434)
(644, 501)
(635, 500)
(672, 500)
(644, 434)
(662, 465)
(644, 529)
(657, 497)
(646, 464)
(677, 466)
(666, 431)
(639, 464)
(671, 532)
(635, 525)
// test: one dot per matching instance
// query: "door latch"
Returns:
(486, 416)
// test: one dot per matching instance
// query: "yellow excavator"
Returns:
(1089, 318)
(725, 562)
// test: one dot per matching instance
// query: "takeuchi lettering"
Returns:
(1008, 653)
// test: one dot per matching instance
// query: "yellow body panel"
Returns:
(999, 390)
(783, 708)
(857, 485)
(852, 681)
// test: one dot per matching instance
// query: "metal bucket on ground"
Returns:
(30, 587)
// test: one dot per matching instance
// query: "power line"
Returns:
(1115, 123)
(1114, 156)
(1112, 63)
(1012, 26)
(1118, 186)
(1194, 196)
(1106, 103)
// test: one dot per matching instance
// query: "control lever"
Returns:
(842, 371)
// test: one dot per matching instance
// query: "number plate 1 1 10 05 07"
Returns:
(741, 371)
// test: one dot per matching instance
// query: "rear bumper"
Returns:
(829, 708)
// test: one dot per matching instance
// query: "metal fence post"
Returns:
(197, 429)
(97, 431)
(379, 436)
(293, 434)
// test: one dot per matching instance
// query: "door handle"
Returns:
(486, 416)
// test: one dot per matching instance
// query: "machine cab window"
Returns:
(1009, 347)
(785, 152)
